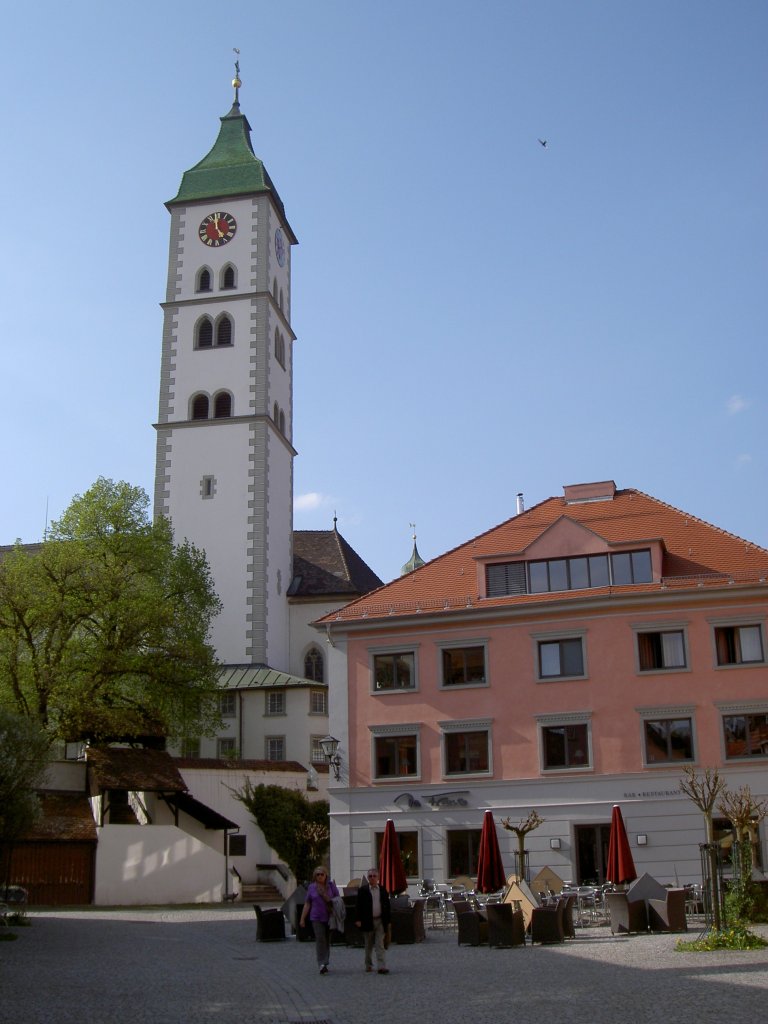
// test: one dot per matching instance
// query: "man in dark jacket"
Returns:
(373, 918)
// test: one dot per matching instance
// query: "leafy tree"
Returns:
(24, 757)
(104, 626)
(745, 812)
(296, 828)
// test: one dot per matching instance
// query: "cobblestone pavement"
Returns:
(202, 965)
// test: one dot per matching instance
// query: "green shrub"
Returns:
(736, 937)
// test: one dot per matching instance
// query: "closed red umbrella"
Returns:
(490, 870)
(391, 870)
(621, 866)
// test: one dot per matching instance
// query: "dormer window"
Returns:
(553, 575)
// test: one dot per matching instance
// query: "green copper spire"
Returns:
(231, 168)
(415, 561)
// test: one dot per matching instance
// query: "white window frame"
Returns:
(228, 704)
(318, 691)
(274, 739)
(226, 746)
(268, 712)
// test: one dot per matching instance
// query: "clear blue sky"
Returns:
(476, 314)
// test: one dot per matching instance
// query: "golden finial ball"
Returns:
(236, 83)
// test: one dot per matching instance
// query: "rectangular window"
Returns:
(318, 702)
(661, 650)
(463, 666)
(668, 739)
(228, 705)
(274, 702)
(585, 572)
(466, 752)
(463, 851)
(395, 756)
(316, 755)
(226, 746)
(409, 851)
(722, 833)
(565, 746)
(190, 747)
(274, 748)
(394, 671)
(739, 645)
(745, 736)
(561, 658)
(237, 845)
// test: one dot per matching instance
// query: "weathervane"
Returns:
(236, 83)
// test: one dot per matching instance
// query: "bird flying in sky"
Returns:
(543, 142)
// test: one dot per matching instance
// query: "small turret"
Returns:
(415, 561)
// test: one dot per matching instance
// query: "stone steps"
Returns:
(260, 892)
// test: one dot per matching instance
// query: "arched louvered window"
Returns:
(281, 298)
(274, 288)
(313, 665)
(279, 348)
(276, 413)
(222, 405)
(200, 407)
(204, 334)
(282, 422)
(224, 331)
(204, 280)
(228, 277)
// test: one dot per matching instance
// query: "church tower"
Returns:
(224, 471)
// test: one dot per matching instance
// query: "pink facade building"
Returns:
(574, 657)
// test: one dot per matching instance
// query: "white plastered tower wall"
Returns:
(227, 484)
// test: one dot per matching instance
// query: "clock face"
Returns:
(280, 247)
(217, 229)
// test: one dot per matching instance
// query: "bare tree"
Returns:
(704, 790)
(521, 830)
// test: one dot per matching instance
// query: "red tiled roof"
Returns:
(66, 817)
(237, 765)
(695, 553)
(133, 768)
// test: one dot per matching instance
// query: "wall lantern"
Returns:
(642, 839)
(554, 844)
(329, 746)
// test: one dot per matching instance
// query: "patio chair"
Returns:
(352, 934)
(408, 923)
(547, 923)
(625, 915)
(569, 901)
(506, 927)
(473, 927)
(668, 915)
(270, 924)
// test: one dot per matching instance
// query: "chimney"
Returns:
(520, 505)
